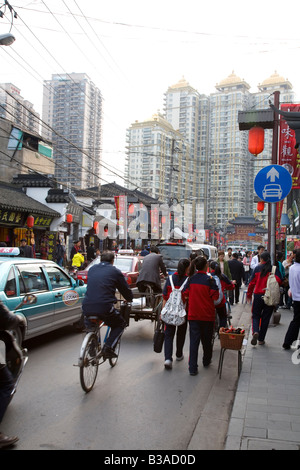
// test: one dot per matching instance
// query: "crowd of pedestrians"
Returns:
(233, 269)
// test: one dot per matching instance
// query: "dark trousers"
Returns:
(222, 314)
(200, 331)
(235, 293)
(261, 314)
(112, 319)
(6, 387)
(293, 329)
(170, 331)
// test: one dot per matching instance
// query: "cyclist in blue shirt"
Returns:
(103, 281)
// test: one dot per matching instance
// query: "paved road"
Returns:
(136, 405)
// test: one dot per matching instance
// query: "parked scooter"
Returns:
(15, 356)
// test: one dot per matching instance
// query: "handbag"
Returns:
(159, 337)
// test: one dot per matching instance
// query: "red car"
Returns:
(128, 264)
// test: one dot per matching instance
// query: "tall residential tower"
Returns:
(72, 111)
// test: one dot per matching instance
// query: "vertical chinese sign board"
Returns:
(288, 156)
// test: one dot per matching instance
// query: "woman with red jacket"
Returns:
(226, 284)
(201, 290)
(178, 278)
(261, 313)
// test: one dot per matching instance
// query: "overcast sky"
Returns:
(134, 50)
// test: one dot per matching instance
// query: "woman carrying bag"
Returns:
(178, 278)
(261, 312)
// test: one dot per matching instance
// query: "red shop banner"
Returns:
(289, 156)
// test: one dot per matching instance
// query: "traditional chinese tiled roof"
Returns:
(59, 195)
(245, 221)
(13, 198)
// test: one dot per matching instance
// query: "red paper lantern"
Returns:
(131, 209)
(30, 221)
(256, 140)
(260, 206)
(95, 225)
(69, 218)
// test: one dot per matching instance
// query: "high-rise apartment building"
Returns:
(217, 168)
(16, 109)
(72, 110)
(156, 155)
(188, 112)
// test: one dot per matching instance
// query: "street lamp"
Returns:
(6, 39)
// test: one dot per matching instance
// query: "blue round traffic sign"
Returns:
(273, 183)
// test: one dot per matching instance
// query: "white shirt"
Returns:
(294, 281)
(254, 262)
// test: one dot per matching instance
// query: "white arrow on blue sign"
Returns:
(273, 183)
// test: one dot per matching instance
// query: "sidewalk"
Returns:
(266, 408)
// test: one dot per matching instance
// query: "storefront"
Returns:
(23, 217)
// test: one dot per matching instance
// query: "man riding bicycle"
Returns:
(103, 281)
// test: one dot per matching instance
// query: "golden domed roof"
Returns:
(181, 84)
(232, 80)
(275, 79)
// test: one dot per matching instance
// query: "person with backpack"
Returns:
(201, 291)
(261, 311)
(225, 284)
(178, 279)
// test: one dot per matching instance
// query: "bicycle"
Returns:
(91, 355)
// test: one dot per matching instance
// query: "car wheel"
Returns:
(17, 334)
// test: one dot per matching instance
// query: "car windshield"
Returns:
(124, 264)
(172, 254)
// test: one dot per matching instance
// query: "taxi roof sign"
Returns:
(9, 251)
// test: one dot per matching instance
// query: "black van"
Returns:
(173, 252)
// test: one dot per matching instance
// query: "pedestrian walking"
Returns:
(91, 253)
(261, 313)
(256, 258)
(75, 248)
(78, 259)
(287, 263)
(247, 268)
(223, 263)
(226, 285)
(25, 250)
(294, 281)
(237, 274)
(228, 255)
(201, 291)
(178, 278)
(59, 253)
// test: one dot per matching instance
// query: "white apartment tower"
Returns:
(18, 110)
(155, 155)
(188, 111)
(72, 111)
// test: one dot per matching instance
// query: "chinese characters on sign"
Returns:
(11, 217)
(40, 221)
(289, 156)
(51, 244)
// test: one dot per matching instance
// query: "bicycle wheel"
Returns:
(113, 360)
(149, 296)
(89, 363)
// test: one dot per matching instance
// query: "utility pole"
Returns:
(272, 205)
